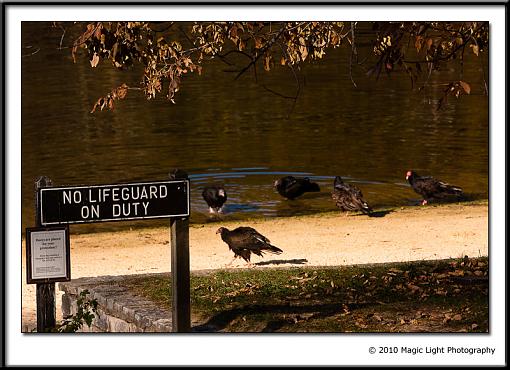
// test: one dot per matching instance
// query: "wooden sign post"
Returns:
(100, 203)
(179, 236)
(45, 292)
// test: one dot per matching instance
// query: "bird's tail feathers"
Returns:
(360, 205)
(457, 190)
(452, 189)
(272, 249)
(365, 208)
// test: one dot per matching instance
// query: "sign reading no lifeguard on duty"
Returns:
(99, 203)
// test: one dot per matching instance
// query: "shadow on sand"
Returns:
(380, 213)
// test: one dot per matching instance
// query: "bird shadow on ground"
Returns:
(296, 261)
(223, 319)
(380, 213)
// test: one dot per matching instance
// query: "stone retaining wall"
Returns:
(119, 310)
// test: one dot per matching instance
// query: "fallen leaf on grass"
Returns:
(414, 288)
(440, 291)
(456, 273)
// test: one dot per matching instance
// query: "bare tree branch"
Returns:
(262, 51)
(62, 37)
(353, 52)
(35, 52)
(164, 29)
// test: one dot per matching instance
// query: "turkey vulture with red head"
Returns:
(291, 187)
(244, 241)
(348, 197)
(215, 196)
(432, 189)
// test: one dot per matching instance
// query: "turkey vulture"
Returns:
(291, 187)
(348, 197)
(430, 188)
(215, 196)
(244, 241)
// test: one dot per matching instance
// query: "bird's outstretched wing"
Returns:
(248, 239)
(246, 235)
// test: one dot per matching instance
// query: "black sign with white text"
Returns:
(99, 203)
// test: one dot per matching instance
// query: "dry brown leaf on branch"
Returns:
(302, 48)
(465, 86)
(92, 29)
(95, 60)
(108, 100)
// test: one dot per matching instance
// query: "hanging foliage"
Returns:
(169, 51)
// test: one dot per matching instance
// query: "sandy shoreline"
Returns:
(408, 234)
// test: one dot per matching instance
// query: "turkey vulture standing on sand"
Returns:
(215, 197)
(244, 241)
(430, 188)
(348, 197)
(291, 187)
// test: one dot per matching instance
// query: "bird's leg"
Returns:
(250, 265)
(211, 210)
(423, 202)
(230, 264)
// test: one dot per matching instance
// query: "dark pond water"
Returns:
(238, 134)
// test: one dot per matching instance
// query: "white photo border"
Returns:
(250, 349)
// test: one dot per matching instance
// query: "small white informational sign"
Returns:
(47, 254)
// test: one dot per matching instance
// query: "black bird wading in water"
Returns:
(348, 197)
(244, 241)
(291, 187)
(215, 196)
(432, 189)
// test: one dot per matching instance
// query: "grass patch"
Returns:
(423, 296)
